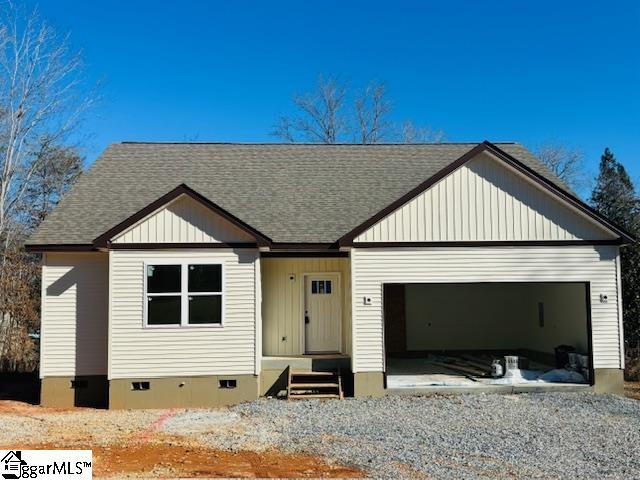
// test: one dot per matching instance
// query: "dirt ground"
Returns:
(126, 444)
(632, 390)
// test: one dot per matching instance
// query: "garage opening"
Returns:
(483, 335)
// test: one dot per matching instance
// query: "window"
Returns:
(183, 294)
(321, 287)
(140, 386)
(205, 294)
(227, 383)
(164, 294)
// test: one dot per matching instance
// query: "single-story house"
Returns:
(198, 274)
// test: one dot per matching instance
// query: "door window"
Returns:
(321, 287)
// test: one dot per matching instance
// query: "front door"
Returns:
(322, 313)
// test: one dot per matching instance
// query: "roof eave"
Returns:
(59, 247)
(626, 238)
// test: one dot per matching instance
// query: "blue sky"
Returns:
(529, 71)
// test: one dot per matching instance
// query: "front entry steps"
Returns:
(324, 385)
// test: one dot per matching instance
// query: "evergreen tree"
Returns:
(615, 197)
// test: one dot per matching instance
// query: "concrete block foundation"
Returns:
(183, 392)
(368, 384)
(211, 391)
(78, 391)
(608, 380)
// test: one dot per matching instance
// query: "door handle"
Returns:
(306, 317)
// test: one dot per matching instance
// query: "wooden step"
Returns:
(313, 374)
(294, 396)
(315, 385)
(326, 385)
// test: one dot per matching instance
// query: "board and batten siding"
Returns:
(483, 200)
(74, 314)
(372, 268)
(136, 351)
(283, 301)
(183, 220)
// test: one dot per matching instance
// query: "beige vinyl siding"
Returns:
(138, 351)
(483, 200)
(371, 268)
(74, 314)
(282, 302)
(183, 220)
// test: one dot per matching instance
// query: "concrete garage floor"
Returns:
(429, 375)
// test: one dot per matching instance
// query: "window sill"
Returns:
(184, 327)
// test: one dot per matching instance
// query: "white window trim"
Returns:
(184, 293)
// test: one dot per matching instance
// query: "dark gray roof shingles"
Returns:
(289, 192)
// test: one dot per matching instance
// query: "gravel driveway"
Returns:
(468, 436)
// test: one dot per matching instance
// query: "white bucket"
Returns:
(511, 368)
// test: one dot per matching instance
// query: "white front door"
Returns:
(322, 313)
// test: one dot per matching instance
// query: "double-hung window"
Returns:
(183, 294)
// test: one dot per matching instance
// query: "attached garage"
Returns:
(486, 256)
(487, 297)
(443, 333)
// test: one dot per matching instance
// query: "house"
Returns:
(195, 274)
(12, 464)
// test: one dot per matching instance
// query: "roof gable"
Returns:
(183, 220)
(525, 171)
(484, 200)
(185, 217)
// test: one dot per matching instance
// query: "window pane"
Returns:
(205, 278)
(163, 310)
(321, 286)
(205, 309)
(163, 278)
(328, 286)
(314, 286)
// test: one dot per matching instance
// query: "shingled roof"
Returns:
(292, 193)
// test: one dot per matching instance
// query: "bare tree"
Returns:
(40, 104)
(567, 164)
(371, 111)
(329, 115)
(410, 133)
(55, 172)
(321, 116)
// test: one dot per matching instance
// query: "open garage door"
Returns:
(453, 332)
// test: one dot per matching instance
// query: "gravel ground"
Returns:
(553, 435)
(33, 425)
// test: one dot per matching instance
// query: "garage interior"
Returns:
(449, 336)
